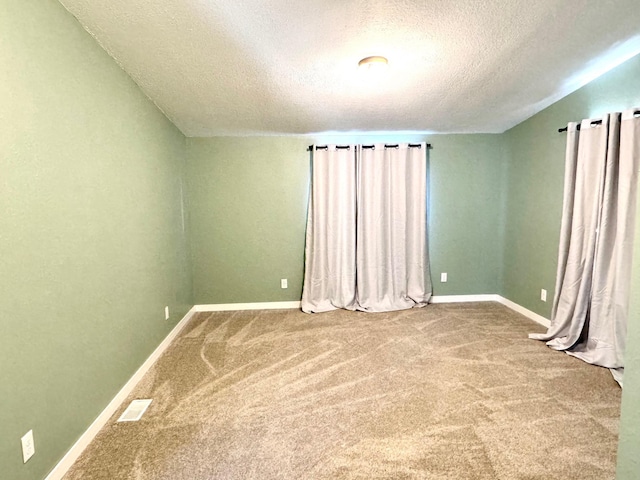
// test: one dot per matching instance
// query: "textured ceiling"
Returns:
(235, 67)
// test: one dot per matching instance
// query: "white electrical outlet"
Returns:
(283, 283)
(443, 277)
(166, 313)
(543, 295)
(28, 447)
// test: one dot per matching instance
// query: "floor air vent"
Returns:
(134, 411)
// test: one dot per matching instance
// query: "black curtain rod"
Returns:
(596, 122)
(347, 147)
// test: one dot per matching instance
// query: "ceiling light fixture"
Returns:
(373, 64)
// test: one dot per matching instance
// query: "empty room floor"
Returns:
(450, 391)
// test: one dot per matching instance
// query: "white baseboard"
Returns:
(492, 298)
(524, 311)
(227, 307)
(74, 452)
(464, 298)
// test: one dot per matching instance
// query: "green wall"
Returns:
(466, 213)
(91, 231)
(629, 443)
(535, 182)
(247, 210)
(248, 201)
(534, 207)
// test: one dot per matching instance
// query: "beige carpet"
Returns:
(445, 392)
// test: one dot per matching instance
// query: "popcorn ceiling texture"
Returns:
(229, 67)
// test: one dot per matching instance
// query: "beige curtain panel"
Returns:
(366, 243)
(330, 250)
(590, 307)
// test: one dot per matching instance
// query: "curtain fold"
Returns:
(366, 241)
(590, 309)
